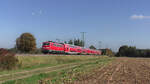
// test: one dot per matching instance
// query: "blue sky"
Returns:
(113, 22)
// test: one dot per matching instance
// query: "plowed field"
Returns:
(120, 71)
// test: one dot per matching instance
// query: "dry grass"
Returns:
(30, 61)
(34, 62)
(83, 65)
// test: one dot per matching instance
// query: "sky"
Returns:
(107, 23)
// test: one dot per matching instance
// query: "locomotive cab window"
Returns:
(46, 43)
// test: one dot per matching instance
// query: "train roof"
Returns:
(53, 42)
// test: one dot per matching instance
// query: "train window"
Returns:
(72, 46)
(57, 45)
(46, 43)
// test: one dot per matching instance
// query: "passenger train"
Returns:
(62, 48)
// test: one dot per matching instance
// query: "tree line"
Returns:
(76, 42)
(132, 51)
(26, 43)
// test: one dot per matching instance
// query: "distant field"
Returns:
(33, 65)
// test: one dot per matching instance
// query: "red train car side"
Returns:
(54, 47)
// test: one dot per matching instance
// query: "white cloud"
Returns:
(39, 12)
(33, 13)
(139, 17)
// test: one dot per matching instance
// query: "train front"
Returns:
(46, 47)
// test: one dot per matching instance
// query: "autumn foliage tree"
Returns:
(26, 43)
(107, 52)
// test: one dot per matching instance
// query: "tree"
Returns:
(122, 50)
(92, 47)
(129, 51)
(107, 52)
(70, 42)
(82, 43)
(78, 42)
(26, 43)
(65, 42)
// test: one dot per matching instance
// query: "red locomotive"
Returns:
(54, 47)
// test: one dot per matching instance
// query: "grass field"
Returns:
(32, 69)
(33, 62)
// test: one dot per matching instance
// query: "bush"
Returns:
(7, 60)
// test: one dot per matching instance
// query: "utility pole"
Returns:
(83, 38)
(99, 44)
